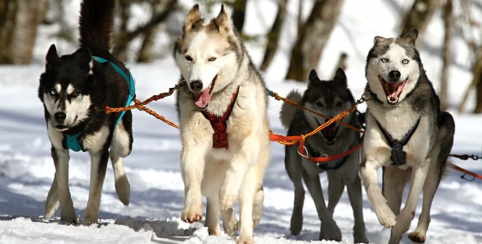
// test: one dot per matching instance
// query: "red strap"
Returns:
(302, 152)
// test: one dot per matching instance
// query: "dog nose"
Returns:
(60, 117)
(196, 85)
(394, 75)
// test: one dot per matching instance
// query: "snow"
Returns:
(26, 168)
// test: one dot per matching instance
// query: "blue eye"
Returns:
(53, 92)
(405, 61)
(384, 60)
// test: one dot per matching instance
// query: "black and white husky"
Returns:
(72, 88)
(328, 98)
(406, 133)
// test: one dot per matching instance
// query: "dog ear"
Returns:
(340, 77)
(52, 57)
(223, 21)
(313, 77)
(378, 39)
(411, 36)
(84, 57)
(192, 18)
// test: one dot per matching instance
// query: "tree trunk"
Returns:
(239, 12)
(308, 48)
(19, 30)
(446, 55)
(300, 18)
(274, 35)
(476, 83)
(478, 101)
(146, 50)
(419, 17)
(341, 64)
(121, 51)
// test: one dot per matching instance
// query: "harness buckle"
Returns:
(306, 152)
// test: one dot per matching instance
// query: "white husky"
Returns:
(224, 125)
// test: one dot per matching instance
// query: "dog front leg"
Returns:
(419, 175)
(368, 174)
(192, 168)
(67, 213)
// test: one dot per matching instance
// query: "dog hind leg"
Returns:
(295, 169)
(258, 206)
(354, 189)
(52, 202)
(67, 212)
(122, 186)
(336, 186)
(212, 216)
(230, 223)
(98, 169)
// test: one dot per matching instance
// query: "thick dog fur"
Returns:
(71, 89)
(329, 98)
(426, 152)
(210, 51)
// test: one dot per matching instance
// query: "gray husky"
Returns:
(406, 134)
(329, 98)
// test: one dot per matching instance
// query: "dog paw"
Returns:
(245, 240)
(360, 237)
(68, 217)
(191, 214)
(329, 231)
(417, 237)
(123, 189)
(386, 217)
(296, 224)
(230, 226)
(88, 221)
(214, 231)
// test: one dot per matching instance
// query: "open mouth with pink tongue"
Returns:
(329, 132)
(202, 99)
(392, 89)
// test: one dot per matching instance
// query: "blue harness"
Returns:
(326, 166)
(73, 141)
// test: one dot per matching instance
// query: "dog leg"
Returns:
(212, 216)
(192, 167)
(52, 202)
(98, 168)
(335, 190)
(419, 174)
(329, 229)
(394, 180)
(354, 189)
(62, 176)
(230, 223)
(122, 186)
(295, 169)
(234, 178)
(258, 206)
(368, 174)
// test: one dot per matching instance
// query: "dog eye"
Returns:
(74, 94)
(339, 104)
(211, 59)
(53, 92)
(405, 61)
(188, 58)
(319, 104)
(384, 60)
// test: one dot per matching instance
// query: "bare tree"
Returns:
(476, 83)
(341, 63)
(239, 13)
(446, 55)
(274, 35)
(308, 48)
(300, 17)
(419, 17)
(18, 29)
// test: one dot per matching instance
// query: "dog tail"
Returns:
(288, 111)
(96, 21)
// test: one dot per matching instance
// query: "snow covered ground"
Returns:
(26, 169)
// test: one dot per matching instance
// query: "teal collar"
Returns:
(73, 142)
(315, 153)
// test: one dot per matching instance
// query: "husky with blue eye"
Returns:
(72, 89)
(407, 135)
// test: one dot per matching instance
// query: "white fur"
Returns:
(395, 55)
(77, 110)
(70, 89)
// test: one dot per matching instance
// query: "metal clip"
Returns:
(465, 177)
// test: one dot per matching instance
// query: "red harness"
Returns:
(220, 136)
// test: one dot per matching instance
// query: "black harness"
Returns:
(398, 156)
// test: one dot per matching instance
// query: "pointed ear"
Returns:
(223, 21)
(313, 77)
(378, 39)
(340, 77)
(192, 18)
(84, 57)
(411, 36)
(52, 57)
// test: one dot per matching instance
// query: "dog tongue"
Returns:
(202, 98)
(392, 89)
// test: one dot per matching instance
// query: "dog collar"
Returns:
(398, 156)
(73, 142)
(220, 136)
(326, 166)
